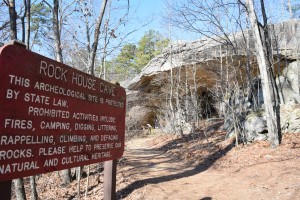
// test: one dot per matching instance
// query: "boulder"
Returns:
(255, 127)
(290, 118)
(251, 128)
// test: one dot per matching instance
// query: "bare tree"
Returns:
(266, 75)
(20, 190)
(56, 31)
(18, 183)
(4, 21)
(66, 174)
(22, 16)
(218, 22)
(28, 19)
(96, 38)
(290, 8)
(13, 19)
(34, 194)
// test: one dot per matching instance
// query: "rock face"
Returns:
(203, 51)
(138, 117)
(288, 83)
(195, 69)
(290, 118)
(254, 126)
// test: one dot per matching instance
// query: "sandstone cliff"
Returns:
(204, 66)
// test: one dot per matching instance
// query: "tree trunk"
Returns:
(92, 57)
(56, 33)
(13, 20)
(172, 113)
(66, 174)
(290, 8)
(178, 104)
(23, 28)
(66, 177)
(34, 195)
(27, 40)
(88, 44)
(266, 79)
(87, 182)
(19, 188)
(194, 96)
(78, 181)
(22, 18)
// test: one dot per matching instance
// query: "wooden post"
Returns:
(110, 172)
(5, 190)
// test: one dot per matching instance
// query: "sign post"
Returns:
(55, 117)
(110, 169)
(5, 190)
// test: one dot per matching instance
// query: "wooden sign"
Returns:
(54, 117)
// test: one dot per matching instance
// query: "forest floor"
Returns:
(198, 166)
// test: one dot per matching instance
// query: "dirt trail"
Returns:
(150, 174)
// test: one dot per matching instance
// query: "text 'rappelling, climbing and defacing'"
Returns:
(55, 117)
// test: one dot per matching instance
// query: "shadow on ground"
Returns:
(123, 193)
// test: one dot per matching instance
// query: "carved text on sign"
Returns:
(55, 117)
